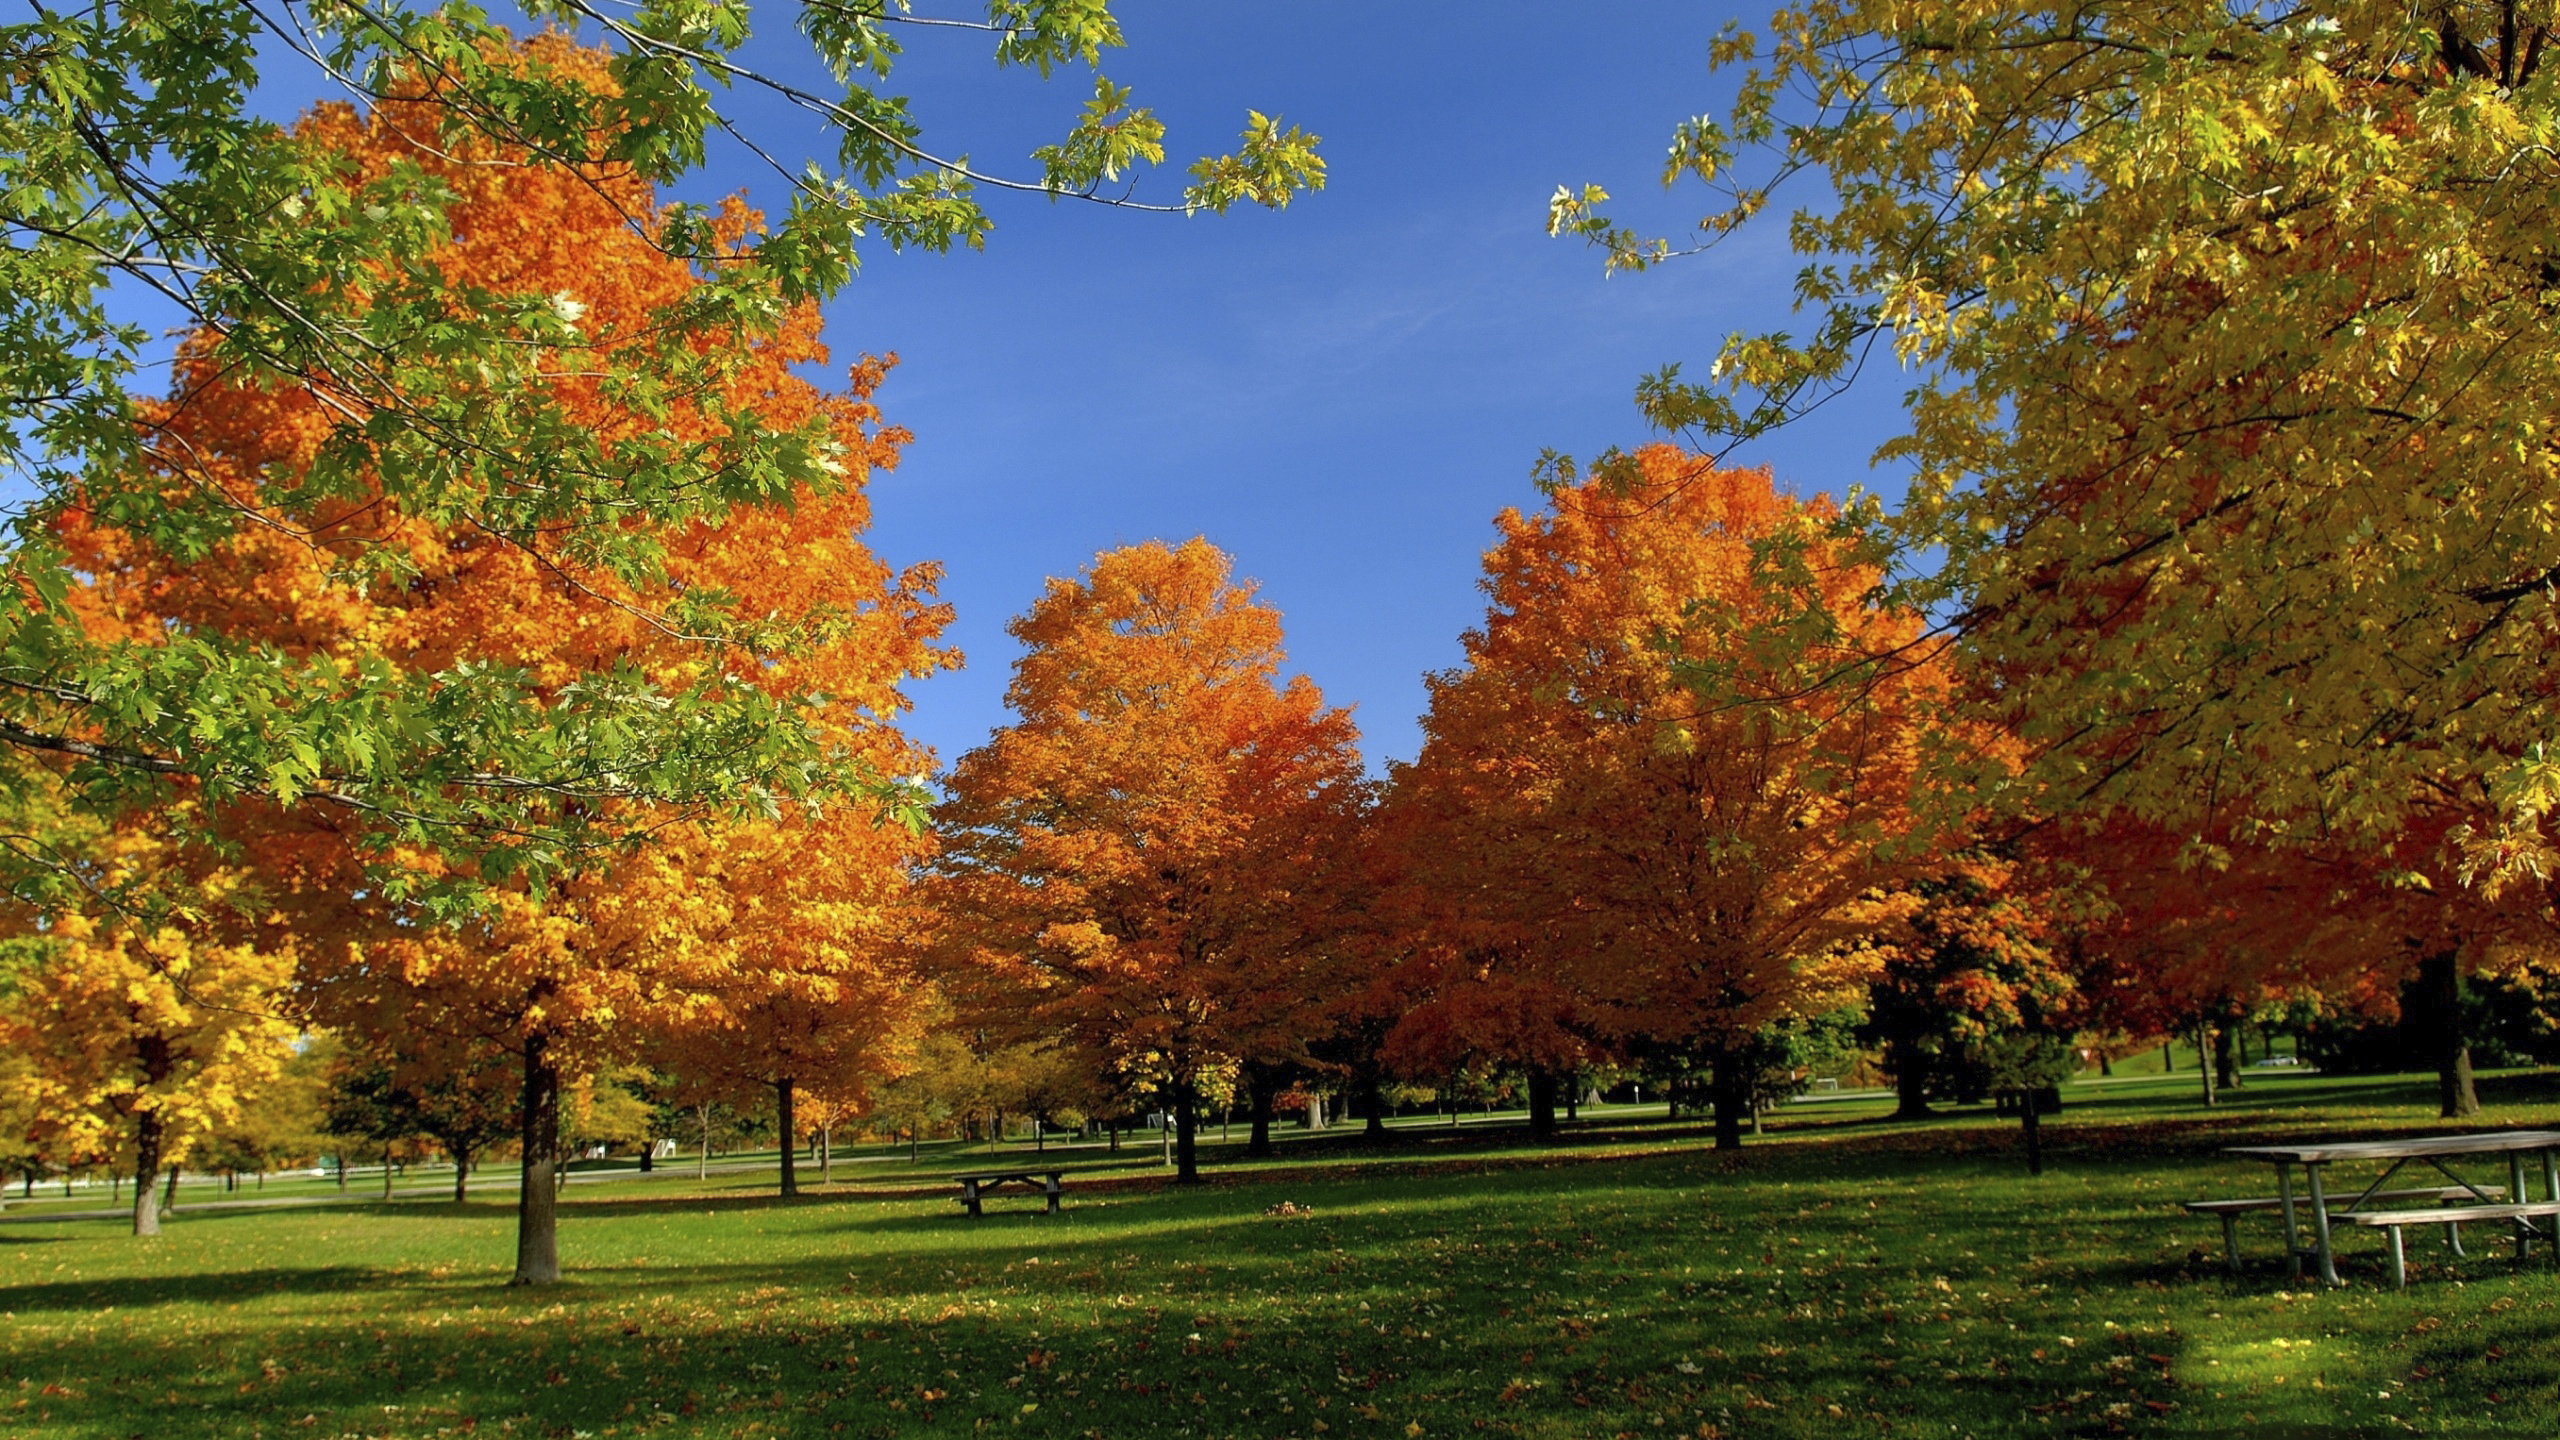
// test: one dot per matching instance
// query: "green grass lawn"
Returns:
(1841, 1276)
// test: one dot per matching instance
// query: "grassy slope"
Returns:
(1844, 1277)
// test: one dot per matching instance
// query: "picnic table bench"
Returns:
(2230, 1211)
(974, 1187)
(2523, 1214)
(2512, 1203)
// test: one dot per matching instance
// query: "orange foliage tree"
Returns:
(1127, 862)
(767, 592)
(2186, 942)
(1986, 961)
(780, 958)
(1663, 802)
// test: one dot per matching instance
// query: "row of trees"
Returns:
(1699, 787)
(474, 655)
(470, 652)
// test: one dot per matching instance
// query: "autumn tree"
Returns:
(1126, 861)
(2232, 331)
(526, 960)
(143, 1035)
(1979, 977)
(278, 1123)
(1661, 800)
(142, 174)
(2185, 948)
(780, 957)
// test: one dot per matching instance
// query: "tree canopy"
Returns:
(1130, 860)
(1658, 805)
(432, 393)
(2229, 328)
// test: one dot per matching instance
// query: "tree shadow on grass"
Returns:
(770, 1347)
(125, 1292)
(1543, 1293)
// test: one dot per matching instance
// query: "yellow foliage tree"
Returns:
(144, 1034)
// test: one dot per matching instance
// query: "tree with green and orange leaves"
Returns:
(1666, 798)
(1127, 862)
(145, 176)
(2228, 441)
(761, 601)
(1986, 958)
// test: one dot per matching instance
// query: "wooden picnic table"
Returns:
(2513, 1202)
(973, 1188)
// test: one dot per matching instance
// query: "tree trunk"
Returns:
(538, 1196)
(158, 1063)
(1261, 1093)
(1910, 1081)
(2027, 1117)
(146, 1168)
(2204, 1061)
(2439, 996)
(702, 1166)
(648, 1153)
(1732, 1097)
(169, 1200)
(1373, 1106)
(782, 1098)
(386, 1172)
(461, 1173)
(1186, 1148)
(826, 1154)
(2106, 1066)
(2226, 1065)
(2168, 1059)
(1542, 1104)
(914, 1143)
(1573, 1097)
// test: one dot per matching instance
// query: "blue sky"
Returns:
(1341, 395)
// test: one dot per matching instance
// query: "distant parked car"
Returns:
(2276, 1062)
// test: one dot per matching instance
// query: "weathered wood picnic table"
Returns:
(2512, 1202)
(973, 1188)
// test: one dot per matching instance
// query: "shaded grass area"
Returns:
(1847, 1276)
